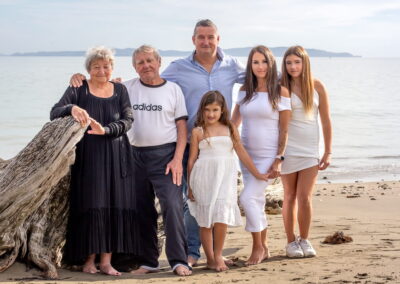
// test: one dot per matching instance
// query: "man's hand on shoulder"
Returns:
(117, 80)
(77, 80)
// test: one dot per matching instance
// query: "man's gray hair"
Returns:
(204, 23)
(99, 52)
(147, 49)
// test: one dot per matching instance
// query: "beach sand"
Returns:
(367, 212)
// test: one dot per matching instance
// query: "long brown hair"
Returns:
(250, 82)
(307, 81)
(210, 98)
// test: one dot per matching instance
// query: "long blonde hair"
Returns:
(307, 81)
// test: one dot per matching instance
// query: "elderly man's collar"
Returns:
(153, 86)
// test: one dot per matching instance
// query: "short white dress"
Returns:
(213, 181)
(302, 149)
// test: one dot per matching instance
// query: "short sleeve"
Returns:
(284, 104)
(180, 109)
(240, 97)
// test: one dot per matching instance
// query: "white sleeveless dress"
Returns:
(302, 149)
(213, 181)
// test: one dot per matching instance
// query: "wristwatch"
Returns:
(280, 157)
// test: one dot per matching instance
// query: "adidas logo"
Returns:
(147, 107)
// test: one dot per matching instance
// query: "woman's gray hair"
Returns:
(147, 49)
(99, 52)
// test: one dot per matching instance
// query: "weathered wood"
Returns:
(34, 197)
(34, 190)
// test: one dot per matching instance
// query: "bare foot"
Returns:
(90, 268)
(211, 264)
(141, 271)
(192, 262)
(220, 264)
(266, 253)
(182, 270)
(109, 270)
(257, 255)
(227, 261)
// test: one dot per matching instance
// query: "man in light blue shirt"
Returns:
(207, 68)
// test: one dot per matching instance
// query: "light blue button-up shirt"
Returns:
(195, 80)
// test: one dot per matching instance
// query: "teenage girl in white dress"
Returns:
(300, 168)
(264, 108)
(212, 173)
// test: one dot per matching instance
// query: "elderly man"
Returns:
(207, 68)
(158, 138)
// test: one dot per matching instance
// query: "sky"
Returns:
(367, 28)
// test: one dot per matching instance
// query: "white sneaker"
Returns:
(307, 248)
(293, 249)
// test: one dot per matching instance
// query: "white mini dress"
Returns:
(213, 181)
(302, 149)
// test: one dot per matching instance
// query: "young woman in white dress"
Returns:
(264, 109)
(302, 161)
(212, 173)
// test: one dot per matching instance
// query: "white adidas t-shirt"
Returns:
(155, 111)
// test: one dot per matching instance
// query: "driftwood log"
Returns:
(34, 189)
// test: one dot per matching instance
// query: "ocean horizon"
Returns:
(362, 92)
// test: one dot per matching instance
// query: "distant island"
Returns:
(240, 52)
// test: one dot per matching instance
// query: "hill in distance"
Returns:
(240, 52)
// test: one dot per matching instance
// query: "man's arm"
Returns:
(175, 165)
(241, 71)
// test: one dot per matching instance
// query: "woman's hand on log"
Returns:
(80, 115)
(96, 128)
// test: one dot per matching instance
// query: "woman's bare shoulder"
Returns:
(284, 92)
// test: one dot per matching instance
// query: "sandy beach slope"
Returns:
(368, 212)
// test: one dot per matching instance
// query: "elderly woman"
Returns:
(102, 201)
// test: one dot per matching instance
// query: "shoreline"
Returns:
(366, 211)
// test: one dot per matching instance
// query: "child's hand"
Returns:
(190, 195)
(275, 169)
(263, 177)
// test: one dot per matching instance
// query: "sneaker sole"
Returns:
(300, 256)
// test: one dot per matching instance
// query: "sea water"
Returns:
(364, 98)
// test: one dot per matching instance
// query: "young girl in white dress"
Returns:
(263, 108)
(302, 162)
(212, 175)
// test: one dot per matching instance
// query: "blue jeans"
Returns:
(191, 226)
